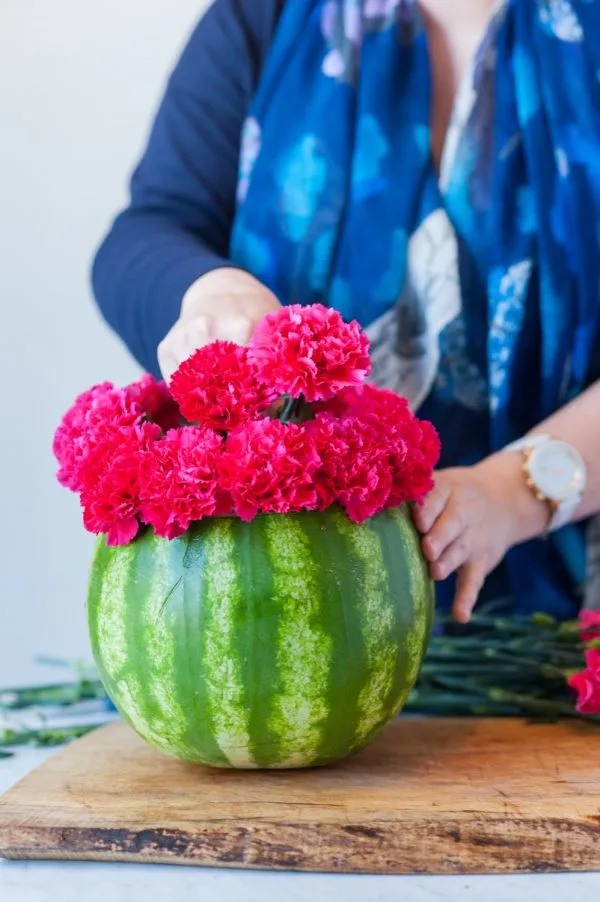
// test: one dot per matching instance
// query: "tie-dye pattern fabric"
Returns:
(480, 289)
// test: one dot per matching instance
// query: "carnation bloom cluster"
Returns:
(586, 683)
(286, 424)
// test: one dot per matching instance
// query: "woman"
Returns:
(433, 170)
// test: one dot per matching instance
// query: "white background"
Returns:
(79, 82)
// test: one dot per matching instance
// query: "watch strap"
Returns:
(564, 512)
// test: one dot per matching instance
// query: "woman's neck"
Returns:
(455, 29)
(458, 14)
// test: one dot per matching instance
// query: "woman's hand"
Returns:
(225, 304)
(473, 516)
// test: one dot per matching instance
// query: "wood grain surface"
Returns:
(430, 796)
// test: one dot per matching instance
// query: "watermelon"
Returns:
(290, 641)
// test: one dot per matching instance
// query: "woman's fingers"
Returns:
(451, 559)
(470, 582)
(194, 332)
(426, 514)
(180, 343)
(466, 527)
(237, 329)
(445, 531)
(167, 359)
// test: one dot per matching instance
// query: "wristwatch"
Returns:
(556, 474)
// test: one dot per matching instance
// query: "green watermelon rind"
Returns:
(290, 641)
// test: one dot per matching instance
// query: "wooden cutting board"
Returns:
(431, 796)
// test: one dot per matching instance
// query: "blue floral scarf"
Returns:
(479, 288)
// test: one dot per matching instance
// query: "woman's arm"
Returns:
(476, 514)
(177, 226)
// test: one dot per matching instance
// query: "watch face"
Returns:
(557, 470)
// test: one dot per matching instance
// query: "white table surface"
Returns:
(72, 882)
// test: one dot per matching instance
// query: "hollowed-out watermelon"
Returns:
(290, 641)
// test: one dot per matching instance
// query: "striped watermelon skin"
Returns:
(287, 642)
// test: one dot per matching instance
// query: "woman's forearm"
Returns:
(577, 423)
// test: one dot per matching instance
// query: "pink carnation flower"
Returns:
(371, 404)
(413, 445)
(355, 469)
(269, 467)
(84, 426)
(587, 684)
(178, 480)
(217, 387)
(413, 466)
(309, 351)
(110, 482)
(155, 401)
(71, 433)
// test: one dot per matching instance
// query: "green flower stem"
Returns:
(540, 706)
(295, 410)
(288, 409)
(464, 668)
(58, 694)
(45, 737)
(457, 704)
(547, 668)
